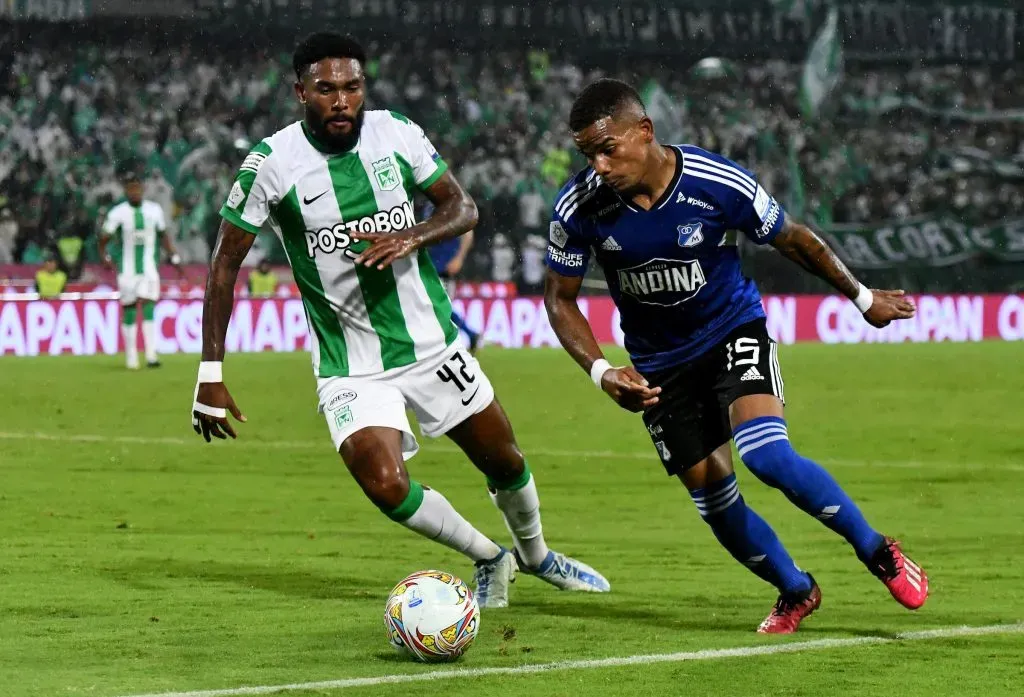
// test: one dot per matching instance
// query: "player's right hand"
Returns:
(210, 409)
(629, 389)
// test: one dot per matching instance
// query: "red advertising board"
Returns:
(89, 326)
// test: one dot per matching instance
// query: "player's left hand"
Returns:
(385, 249)
(887, 306)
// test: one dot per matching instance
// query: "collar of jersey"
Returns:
(320, 146)
(669, 192)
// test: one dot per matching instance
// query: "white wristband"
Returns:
(597, 371)
(864, 299)
(211, 371)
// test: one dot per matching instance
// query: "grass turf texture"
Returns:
(137, 559)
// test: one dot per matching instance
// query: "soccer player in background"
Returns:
(661, 222)
(142, 230)
(337, 188)
(448, 258)
(262, 281)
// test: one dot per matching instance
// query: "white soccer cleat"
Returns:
(568, 574)
(492, 579)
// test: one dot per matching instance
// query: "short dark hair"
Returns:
(325, 44)
(601, 99)
(130, 173)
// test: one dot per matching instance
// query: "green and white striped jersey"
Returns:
(362, 321)
(139, 229)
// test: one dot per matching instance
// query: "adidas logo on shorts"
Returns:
(752, 374)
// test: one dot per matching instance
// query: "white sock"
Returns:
(149, 339)
(521, 510)
(439, 521)
(130, 332)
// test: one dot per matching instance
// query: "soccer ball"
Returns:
(431, 616)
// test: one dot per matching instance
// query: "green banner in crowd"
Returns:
(974, 161)
(894, 102)
(925, 242)
(46, 10)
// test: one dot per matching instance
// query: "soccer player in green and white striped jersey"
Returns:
(337, 188)
(141, 229)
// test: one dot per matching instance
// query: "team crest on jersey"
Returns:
(386, 174)
(663, 451)
(690, 235)
(663, 282)
(343, 417)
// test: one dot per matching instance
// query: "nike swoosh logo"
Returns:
(308, 201)
(469, 399)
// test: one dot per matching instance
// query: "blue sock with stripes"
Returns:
(747, 536)
(764, 447)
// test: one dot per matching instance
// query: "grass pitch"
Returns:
(135, 558)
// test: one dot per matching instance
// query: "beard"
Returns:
(339, 142)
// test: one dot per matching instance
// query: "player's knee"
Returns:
(387, 490)
(377, 466)
(501, 463)
(385, 482)
(506, 465)
(512, 476)
(764, 447)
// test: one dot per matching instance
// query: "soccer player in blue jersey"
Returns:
(448, 257)
(661, 221)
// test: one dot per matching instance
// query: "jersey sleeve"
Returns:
(419, 154)
(159, 219)
(753, 210)
(568, 252)
(112, 222)
(255, 191)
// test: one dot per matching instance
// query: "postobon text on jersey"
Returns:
(328, 240)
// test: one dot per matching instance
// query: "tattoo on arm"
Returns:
(798, 243)
(233, 243)
(571, 327)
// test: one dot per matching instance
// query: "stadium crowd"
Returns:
(893, 143)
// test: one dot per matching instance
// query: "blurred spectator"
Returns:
(894, 142)
(503, 259)
(8, 233)
(262, 281)
(533, 253)
(50, 280)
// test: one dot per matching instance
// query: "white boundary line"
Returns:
(321, 444)
(706, 655)
(739, 652)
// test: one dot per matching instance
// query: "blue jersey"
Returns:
(674, 270)
(441, 253)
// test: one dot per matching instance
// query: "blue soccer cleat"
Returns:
(492, 579)
(567, 574)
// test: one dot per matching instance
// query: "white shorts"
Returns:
(443, 391)
(137, 286)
